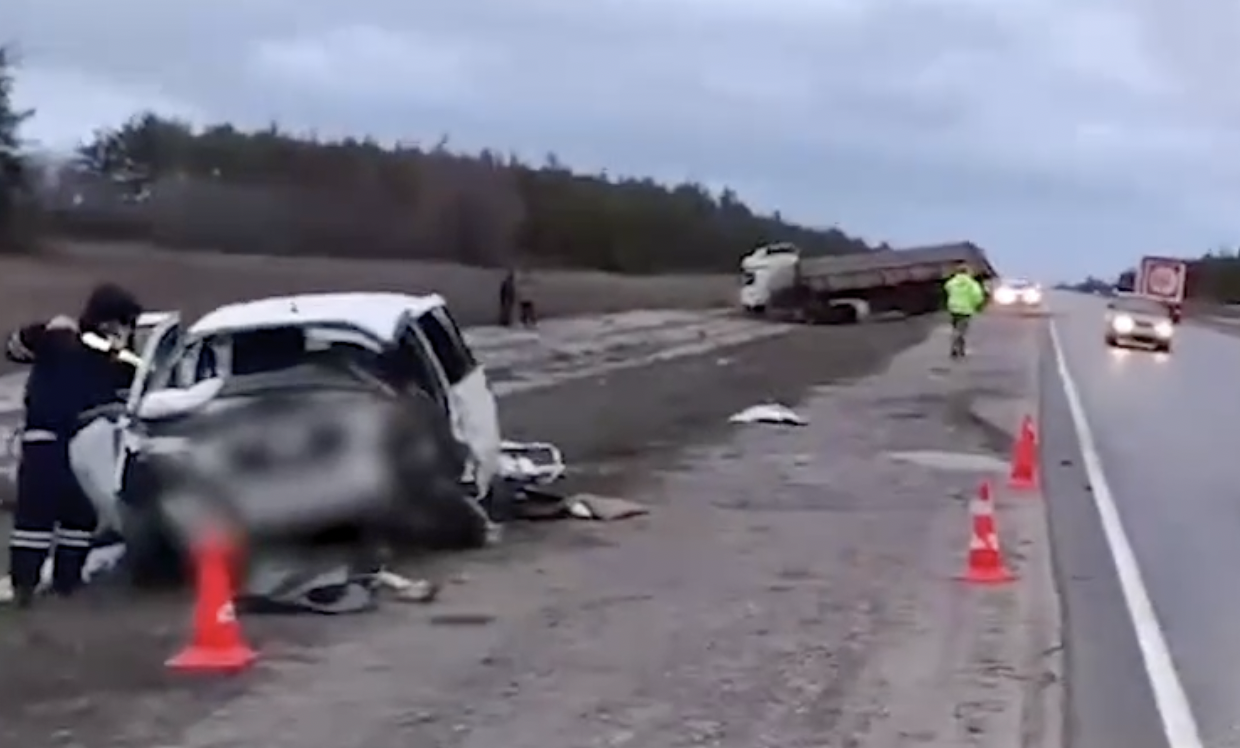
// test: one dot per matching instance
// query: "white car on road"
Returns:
(1139, 321)
(1016, 294)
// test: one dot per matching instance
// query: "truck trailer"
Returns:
(1164, 279)
(778, 282)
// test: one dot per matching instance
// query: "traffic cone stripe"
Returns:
(984, 560)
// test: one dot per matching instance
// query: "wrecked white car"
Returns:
(298, 413)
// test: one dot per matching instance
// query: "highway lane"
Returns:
(1166, 430)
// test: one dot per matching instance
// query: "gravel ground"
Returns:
(791, 588)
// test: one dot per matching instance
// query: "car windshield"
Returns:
(278, 348)
(140, 336)
(1137, 305)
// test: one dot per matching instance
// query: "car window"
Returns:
(448, 344)
(1140, 306)
(408, 365)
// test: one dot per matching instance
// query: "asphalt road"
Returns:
(1164, 431)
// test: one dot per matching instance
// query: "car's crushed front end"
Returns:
(288, 457)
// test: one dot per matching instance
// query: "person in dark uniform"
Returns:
(67, 378)
(507, 297)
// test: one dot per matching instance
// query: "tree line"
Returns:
(14, 197)
(271, 191)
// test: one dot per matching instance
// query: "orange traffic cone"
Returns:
(1024, 475)
(217, 644)
(985, 561)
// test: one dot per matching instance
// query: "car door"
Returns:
(471, 403)
(99, 450)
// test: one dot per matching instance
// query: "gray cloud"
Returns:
(1069, 135)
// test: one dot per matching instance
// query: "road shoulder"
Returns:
(794, 587)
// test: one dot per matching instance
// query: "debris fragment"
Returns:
(407, 590)
(769, 413)
(542, 505)
(530, 463)
(603, 508)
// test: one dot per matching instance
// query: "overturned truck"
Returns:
(778, 282)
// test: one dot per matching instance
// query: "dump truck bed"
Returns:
(891, 267)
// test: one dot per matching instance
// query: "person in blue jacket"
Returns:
(67, 378)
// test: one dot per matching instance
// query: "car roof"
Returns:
(375, 313)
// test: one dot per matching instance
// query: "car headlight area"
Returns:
(1123, 324)
(1164, 330)
(1005, 296)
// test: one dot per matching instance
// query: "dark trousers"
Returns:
(52, 515)
(960, 332)
(505, 311)
(528, 318)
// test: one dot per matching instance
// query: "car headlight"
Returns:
(1122, 324)
(1005, 296)
(1164, 329)
(1033, 296)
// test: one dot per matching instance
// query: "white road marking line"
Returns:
(1179, 725)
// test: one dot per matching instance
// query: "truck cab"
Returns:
(766, 271)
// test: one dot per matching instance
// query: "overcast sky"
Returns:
(1065, 136)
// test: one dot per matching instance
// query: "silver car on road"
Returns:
(1139, 321)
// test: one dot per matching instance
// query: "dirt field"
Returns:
(197, 281)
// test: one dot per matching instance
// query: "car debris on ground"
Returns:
(772, 413)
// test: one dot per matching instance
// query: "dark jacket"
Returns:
(66, 379)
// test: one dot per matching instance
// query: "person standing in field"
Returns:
(507, 297)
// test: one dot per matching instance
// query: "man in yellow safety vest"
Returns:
(965, 298)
